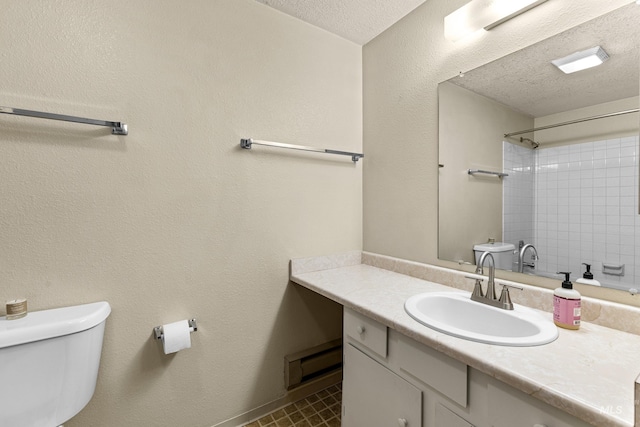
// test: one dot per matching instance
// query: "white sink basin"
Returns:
(454, 313)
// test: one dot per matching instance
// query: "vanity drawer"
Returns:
(369, 333)
(437, 370)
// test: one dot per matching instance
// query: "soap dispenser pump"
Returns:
(566, 304)
(587, 277)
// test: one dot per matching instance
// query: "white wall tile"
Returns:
(586, 202)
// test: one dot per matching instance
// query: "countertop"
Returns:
(589, 373)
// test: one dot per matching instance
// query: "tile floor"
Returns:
(319, 410)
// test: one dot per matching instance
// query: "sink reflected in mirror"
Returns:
(454, 313)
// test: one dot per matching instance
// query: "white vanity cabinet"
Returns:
(392, 380)
(366, 403)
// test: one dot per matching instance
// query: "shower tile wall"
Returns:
(586, 198)
(518, 194)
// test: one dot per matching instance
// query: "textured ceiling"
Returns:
(355, 20)
(527, 81)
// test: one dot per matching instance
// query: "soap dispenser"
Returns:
(587, 277)
(566, 304)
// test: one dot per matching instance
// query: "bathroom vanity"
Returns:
(399, 372)
(423, 387)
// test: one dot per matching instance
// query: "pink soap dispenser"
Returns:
(566, 305)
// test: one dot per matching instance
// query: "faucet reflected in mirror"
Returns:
(521, 260)
(574, 193)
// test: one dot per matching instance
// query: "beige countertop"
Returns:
(589, 373)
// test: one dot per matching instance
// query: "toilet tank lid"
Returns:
(494, 247)
(41, 325)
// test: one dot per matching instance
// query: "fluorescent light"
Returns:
(581, 60)
(483, 14)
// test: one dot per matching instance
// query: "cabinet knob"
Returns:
(360, 329)
(402, 422)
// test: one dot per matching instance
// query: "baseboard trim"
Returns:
(294, 395)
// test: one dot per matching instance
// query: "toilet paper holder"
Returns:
(159, 334)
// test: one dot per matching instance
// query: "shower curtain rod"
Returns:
(602, 116)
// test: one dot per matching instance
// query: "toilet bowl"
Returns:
(49, 364)
(502, 253)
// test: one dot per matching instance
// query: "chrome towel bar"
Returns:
(117, 128)
(498, 174)
(247, 143)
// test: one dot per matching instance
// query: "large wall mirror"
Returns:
(567, 193)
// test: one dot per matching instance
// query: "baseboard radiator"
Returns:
(312, 363)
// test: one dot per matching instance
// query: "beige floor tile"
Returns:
(284, 422)
(265, 421)
(319, 406)
(296, 417)
(315, 420)
(280, 413)
(290, 409)
(326, 414)
(334, 422)
(322, 409)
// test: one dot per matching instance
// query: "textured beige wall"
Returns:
(595, 130)
(402, 69)
(174, 220)
(471, 129)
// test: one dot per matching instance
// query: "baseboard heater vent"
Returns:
(312, 363)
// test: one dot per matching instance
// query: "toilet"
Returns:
(49, 364)
(502, 254)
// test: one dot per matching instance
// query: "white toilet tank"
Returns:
(49, 364)
(502, 254)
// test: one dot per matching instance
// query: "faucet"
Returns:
(491, 287)
(521, 262)
(504, 301)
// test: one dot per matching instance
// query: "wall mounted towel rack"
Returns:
(117, 128)
(247, 143)
(498, 174)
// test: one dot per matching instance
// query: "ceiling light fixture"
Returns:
(581, 60)
(483, 14)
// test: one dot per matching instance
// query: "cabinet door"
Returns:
(446, 418)
(373, 396)
(509, 407)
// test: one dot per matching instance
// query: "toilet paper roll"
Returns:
(16, 309)
(176, 336)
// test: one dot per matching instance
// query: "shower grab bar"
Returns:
(498, 174)
(586, 119)
(117, 128)
(247, 143)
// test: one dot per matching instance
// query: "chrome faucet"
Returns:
(521, 262)
(489, 298)
(491, 286)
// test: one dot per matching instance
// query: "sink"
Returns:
(454, 313)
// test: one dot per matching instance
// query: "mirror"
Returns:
(571, 191)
